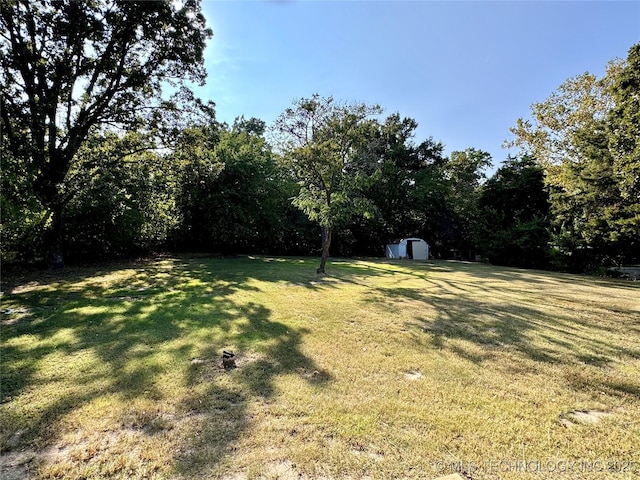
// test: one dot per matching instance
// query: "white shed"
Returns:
(411, 248)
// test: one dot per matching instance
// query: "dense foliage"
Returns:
(513, 223)
(72, 68)
(121, 170)
(585, 138)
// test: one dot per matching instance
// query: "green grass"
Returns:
(376, 370)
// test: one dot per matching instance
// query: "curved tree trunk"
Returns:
(326, 243)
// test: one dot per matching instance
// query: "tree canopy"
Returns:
(512, 226)
(323, 143)
(70, 67)
(584, 136)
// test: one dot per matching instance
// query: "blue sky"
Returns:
(465, 71)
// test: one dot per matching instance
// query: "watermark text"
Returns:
(537, 466)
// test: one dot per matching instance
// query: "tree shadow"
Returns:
(224, 410)
(134, 328)
(483, 329)
(135, 323)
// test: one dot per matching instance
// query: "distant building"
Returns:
(410, 248)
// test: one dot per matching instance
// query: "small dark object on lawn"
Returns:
(228, 360)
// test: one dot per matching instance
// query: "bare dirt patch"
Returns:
(583, 417)
(413, 375)
(15, 465)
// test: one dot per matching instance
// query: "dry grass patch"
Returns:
(377, 370)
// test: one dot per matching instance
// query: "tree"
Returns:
(585, 138)
(325, 144)
(231, 195)
(465, 174)
(513, 215)
(623, 126)
(123, 198)
(576, 104)
(70, 68)
(595, 223)
(404, 182)
(195, 166)
(22, 213)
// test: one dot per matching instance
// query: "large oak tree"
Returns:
(68, 68)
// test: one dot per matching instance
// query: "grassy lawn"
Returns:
(377, 370)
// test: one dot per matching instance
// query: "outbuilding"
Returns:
(410, 248)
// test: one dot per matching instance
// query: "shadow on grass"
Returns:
(224, 411)
(125, 332)
(142, 326)
(496, 326)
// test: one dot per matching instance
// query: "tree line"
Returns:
(98, 161)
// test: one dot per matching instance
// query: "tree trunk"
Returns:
(326, 243)
(54, 239)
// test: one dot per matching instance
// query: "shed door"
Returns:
(419, 250)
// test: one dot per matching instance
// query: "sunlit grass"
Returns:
(379, 369)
